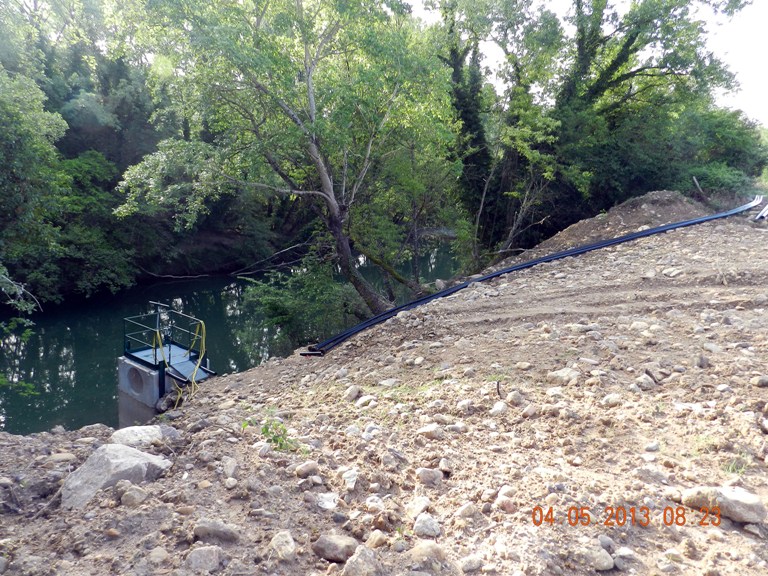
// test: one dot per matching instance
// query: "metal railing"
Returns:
(162, 330)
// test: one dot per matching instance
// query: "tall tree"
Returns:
(462, 56)
(650, 61)
(506, 145)
(591, 106)
(29, 171)
(303, 97)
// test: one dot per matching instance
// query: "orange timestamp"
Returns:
(625, 516)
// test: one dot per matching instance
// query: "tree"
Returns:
(462, 56)
(649, 62)
(29, 176)
(300, 98)
(506, 144)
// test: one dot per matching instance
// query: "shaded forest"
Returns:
(149, 139)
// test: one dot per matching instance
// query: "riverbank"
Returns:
(585, 415)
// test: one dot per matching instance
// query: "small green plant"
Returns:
(738, 465)
(247, 422)
(403, 533)
(705, 444)
(277, 435)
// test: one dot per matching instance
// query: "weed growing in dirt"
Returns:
(738, 465)
(705, 444)
(247, 422)
(277, 435)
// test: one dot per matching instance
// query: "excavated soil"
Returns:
(553, 421)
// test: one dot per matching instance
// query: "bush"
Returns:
(308, 304)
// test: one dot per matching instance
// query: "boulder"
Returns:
(734, 502)
(105, 467)
(137, 436)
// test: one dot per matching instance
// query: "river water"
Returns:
(70, 360)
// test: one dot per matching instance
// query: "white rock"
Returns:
(205, 559)
(363, 563)
(471, 564)
(458, 428)
(364, 401)
(105, 467)
(426, 526)
(376, 539)
(133, 496)
(645, 382)
(353, 393)
(352, 430)
(307, 469)
(425, 554)
(624, 552)
(327, 501)
(207, 529)
(515, 398)
(158, 555)
(466, 510)
(674, 556)
(417, 505)
(564, 375)
(230, 467)
(507, 490)
(137, 436)
(432, 431)
(530, 411)
(283, 546)
(499, 408)
(465, 406)
(506, 504)
(611, 400)
(375, 504)
(599, 559)
(350, 479)
(734, 502)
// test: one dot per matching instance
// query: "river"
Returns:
(69, 362)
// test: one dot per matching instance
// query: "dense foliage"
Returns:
(176, 138)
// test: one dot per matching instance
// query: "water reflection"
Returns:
(65, 371)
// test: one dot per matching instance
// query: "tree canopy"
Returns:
(144, 139)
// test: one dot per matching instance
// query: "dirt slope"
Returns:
(462, 437)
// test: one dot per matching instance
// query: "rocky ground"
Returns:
(601, 413)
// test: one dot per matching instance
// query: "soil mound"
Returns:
(607, 412)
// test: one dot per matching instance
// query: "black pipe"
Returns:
(327, 345)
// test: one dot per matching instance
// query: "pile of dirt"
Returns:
(601, 413)
(652, 209)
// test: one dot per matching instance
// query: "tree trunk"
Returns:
(373, 299)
